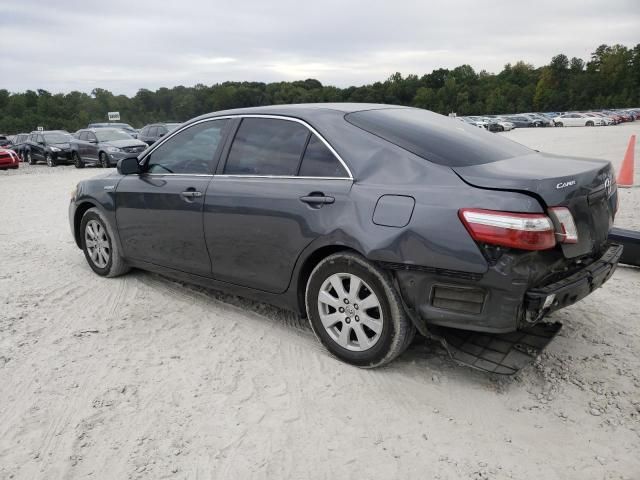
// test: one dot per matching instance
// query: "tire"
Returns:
(30, 159)
(361, 345)
(50, 160)
(21, 156)
(104, 245)
(589, 124)
(559, 124)
(103, 160)
(77, 161)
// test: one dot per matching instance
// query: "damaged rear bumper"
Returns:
(543, 300)
(514, 293)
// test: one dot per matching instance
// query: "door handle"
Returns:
(191, 194)
(317, 199)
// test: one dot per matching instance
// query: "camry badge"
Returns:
(565, 184)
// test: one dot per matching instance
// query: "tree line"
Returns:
(609, 79)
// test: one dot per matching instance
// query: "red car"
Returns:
(8, 159)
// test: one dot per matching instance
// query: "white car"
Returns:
(577, 120)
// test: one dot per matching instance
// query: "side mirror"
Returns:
(163, 134)
(128, 166)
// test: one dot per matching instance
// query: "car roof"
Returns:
(305, 111)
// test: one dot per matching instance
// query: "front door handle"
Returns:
(317, 199)
(191, 194)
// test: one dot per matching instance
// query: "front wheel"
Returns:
(30, 158)
(589, 124)
(104, 160)
(50, 160)
(355, 311)
(99, 245)
(559, 124)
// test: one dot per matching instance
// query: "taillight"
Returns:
(568, 232)
(525, 231)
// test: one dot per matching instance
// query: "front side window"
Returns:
(267, 146)
(318, 161)
(190, 151)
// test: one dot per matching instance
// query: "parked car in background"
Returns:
(8, 159)
(518, 121)
(370, 220)
(18, 143)
(103, 147)
(607, 119)
(50, 146)
(506, 125)
(574, 119)
(5, 140)
(538, 120)
(123, 126)
(154, 132)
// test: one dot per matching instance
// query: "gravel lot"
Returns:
(143, 377)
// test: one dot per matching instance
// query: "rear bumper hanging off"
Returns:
(542, 300)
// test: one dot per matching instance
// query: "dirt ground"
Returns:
(143, 377)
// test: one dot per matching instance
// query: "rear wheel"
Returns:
(77, 161)
(30, 158)
(50, 160)
(356, 312)
(99, 245)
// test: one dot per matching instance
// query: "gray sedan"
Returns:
(103, 147)
(370, 220)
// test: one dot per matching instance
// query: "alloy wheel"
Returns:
(49, 160)
(97, 243)
(350, 312)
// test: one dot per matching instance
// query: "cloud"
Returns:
(123, 46)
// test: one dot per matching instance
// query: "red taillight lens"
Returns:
(525, 231)
(568, 232)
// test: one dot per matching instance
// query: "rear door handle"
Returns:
(317, 200)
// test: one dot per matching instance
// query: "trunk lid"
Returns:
(585, 186)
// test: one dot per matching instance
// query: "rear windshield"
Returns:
(437, 138)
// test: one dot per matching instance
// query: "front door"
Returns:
(159, 212)
(280, 189)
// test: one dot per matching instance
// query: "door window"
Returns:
(153, 131)
(191, 151)
(318, 161)
(267, 146)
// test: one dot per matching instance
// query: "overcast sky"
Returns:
(65, 45)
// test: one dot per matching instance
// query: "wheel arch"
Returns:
(307, 266)
(81, 209)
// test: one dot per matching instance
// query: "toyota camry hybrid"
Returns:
(370, 220)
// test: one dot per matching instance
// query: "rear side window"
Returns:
(266, 146)
(436, 138)
(318, 161)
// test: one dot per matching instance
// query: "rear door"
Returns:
(159, 212)
(280, 188)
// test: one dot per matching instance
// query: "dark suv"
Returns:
(51, 146)
(18, 144)
(154, 132)
(103, 146)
